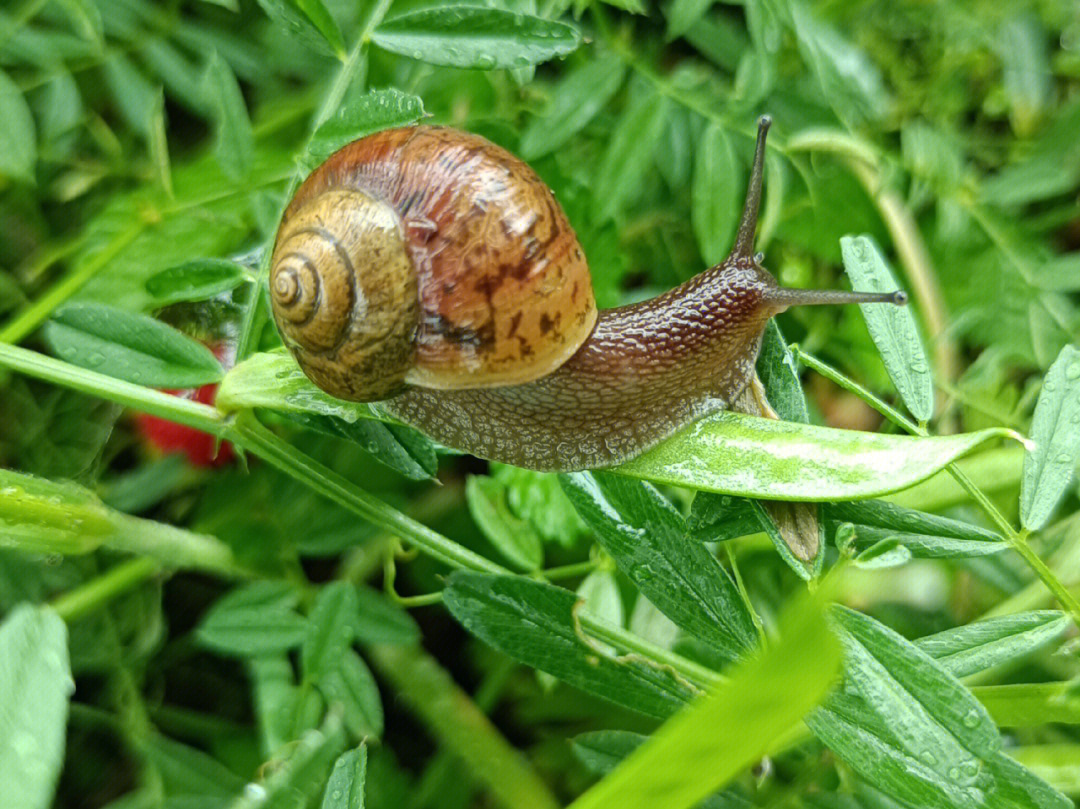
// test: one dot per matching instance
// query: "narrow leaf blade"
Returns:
(471, 36)
(1055, 431)
(732, 453)
(892, 328)
(732, 726)
(129, 346)
(35, 685)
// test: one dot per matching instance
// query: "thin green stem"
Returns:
(568, 571)
(182, 411)
(848, 384)
(460, 725)
(92, 595)
(695, 673)
(744, 594)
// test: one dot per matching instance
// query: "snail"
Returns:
(432, 271)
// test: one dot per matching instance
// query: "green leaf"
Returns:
(43, 516)
(1029, 704)
(378, 620)
(401, 448)
(733, 453)
(272, 691)
(534, 623)
(512, 537)
(910, 728)
(599, 594)
(892, 328)
(682, 14)
(131, 92)
(85, 19)
(1057, 764)
(471, 36)
(850, 81)
(647, 538)
(254, 620)
(884, 553)
(128, 346)
(720, 517)
(195, 280)
(924, 535)
(18, 140)
(1055, 431)
(317, 13)
(716, 194)
(309, 22)
(629, 153)
(732, 726)
(273, 380)
(345, 789)
(1027, 72)
(356, 118)
(574, 101)
(780, 375)
(975, 647)
(187, 771)
(35, 685)
(235, 141)
(602, 750)
(538, 498)
(348, 682)
(329, 629)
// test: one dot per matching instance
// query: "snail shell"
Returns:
(429, 257)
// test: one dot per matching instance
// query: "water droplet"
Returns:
(1073, 371)
(919, 367)
(417, 54)
(1063, 458)
(485, 61)
(954, 773)
(1049, 386)
(95, 359)
(336, 794)
(971, 718)
(928, 758)
(255, 792)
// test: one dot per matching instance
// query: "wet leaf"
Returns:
(1055, 431)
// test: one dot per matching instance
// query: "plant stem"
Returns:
(456, 721)
(567, 571)
(88, 597)
(848, 384)
(695, 673)
(191, 414)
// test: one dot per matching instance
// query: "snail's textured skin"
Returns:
(646, 370)
(503, 290)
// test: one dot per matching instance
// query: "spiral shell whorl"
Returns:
(344, 294)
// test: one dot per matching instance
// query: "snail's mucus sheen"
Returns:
(433, 270)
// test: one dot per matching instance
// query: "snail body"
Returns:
(432, 271)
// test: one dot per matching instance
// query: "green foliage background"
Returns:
(224, 626)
